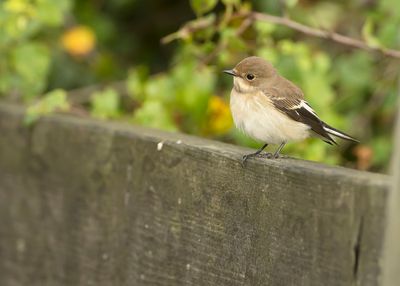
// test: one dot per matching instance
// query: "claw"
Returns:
(244, 159)
(259, 155)
(266, 155)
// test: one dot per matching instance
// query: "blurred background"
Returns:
(158, 64)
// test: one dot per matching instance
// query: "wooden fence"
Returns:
(84, 202)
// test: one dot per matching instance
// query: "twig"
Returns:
(222, 45)
(250, 17)
(188, 29)
(344, 40)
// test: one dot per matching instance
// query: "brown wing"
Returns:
(289, 99)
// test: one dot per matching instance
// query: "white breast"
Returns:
(254, 114)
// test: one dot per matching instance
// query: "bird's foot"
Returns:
(269, 156)
(272, 156)
(258, 155)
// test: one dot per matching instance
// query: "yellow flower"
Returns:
(17, 6)
(219, 119)
(79, 40)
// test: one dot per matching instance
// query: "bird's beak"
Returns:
(231, 72)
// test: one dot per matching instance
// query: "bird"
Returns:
(271, 109)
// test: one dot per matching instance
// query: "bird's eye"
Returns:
(250, 76)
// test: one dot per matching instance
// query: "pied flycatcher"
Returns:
(271, 109)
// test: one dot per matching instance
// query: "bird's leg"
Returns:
(245, 157)
(276, 154)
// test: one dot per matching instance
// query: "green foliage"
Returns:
(55, 100)
(24, 59)
(203, 6)
(177, 101)
(154, 114)
(29, 83)
(41, 49)
(341, 86)
(105, 104)
(367, 32)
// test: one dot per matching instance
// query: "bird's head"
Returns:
(251, 74)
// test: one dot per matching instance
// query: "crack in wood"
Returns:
(357, 249)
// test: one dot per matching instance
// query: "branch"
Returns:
(335, 37)
(189, 28)
(250, 17)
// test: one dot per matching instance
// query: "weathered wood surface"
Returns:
(391, 257)
(91, 203)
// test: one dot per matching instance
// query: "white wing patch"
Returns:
(305, 104)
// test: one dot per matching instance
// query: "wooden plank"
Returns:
(84, 202)
(391, 259)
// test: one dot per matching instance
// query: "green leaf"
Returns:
(31, 62)
(52, 12)
(154, 114)
(264, 28)
(231, 2)
(55, 100)
(136, 82)
(367, 32)
(105, 104)
(193, 88)
(269, 54)
(160, 88)
(291, 3)
(324, 14)
(388, 32)
(201, 7)
(229, 36)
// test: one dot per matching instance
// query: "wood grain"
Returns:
(391, 257)
(84, 202)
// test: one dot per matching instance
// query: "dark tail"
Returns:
(338, 133)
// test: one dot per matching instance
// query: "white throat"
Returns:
(242, 86)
